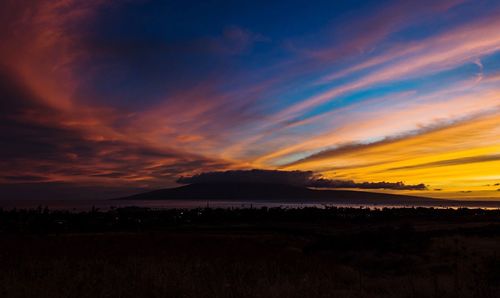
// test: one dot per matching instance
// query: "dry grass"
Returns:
(251, 264)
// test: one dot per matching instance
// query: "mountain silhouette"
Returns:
(275, 192)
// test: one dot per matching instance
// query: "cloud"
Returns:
(480, 73)
(424, 133)
(355, 147)
(373, 119)
(450, 156)
(301, 178)
(377, 25)
(236, 40)
(39, 146)
(54, 127)
(329, 183)
(451, 162)
(435, 54)
(89, 97)
(251, 176)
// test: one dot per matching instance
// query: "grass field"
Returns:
(387, 257)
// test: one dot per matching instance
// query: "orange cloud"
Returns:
(461, 156)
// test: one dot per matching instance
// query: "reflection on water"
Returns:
(85, 205)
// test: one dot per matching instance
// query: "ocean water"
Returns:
(85, 205)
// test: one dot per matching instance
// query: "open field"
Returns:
(250, 253)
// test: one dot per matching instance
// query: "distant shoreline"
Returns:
(86, 205)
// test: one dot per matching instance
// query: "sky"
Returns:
(100, 98)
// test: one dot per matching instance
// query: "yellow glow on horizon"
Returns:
(460, 161)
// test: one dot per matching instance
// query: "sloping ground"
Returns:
(276, 192)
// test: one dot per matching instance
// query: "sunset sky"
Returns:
(101, 97)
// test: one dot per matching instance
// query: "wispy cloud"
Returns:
(451, 162)
(380, 92)
(439, 53)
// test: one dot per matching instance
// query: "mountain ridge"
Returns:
(274, 192)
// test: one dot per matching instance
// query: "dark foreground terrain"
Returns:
(334, 252)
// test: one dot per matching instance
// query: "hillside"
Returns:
(275, 192)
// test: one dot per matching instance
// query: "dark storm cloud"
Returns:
(302, 178)
(251, 176)
(328, 183)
